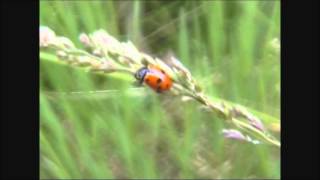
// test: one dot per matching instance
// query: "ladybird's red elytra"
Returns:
(154, 77)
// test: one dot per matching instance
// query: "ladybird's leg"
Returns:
(141, 81)
(137, 83)
(159, 89)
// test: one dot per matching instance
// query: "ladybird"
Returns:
(154, 77)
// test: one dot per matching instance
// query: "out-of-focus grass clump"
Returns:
(232, 48)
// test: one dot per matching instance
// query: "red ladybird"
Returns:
(155, 78)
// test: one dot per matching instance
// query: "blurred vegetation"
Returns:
(127, 133)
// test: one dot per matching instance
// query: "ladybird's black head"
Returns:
(141, 73)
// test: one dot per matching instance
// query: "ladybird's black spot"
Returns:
(137, 83)
(159, 81)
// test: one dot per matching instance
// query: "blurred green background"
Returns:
(230, 47)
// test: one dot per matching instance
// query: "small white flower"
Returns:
(177, 64)
(61, 54)
(253, 141)
(131, 51)
(108, 43)
(233, 134)
(186, 98)
(256, 123)
(84, 39)
(97, 52)
(275, 44)
(47, 36)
